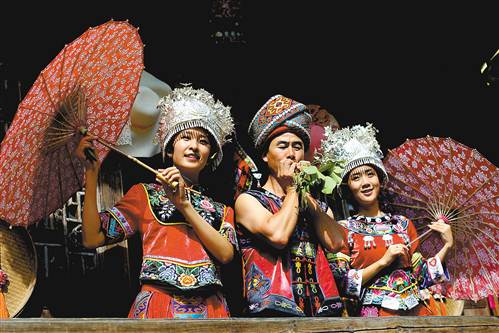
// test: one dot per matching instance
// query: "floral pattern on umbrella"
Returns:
(38, 168)
(432, 177)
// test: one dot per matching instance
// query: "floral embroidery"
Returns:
(165, 212)
(398, 280)
(399, 289)
(180, 276)
(229, 233)
(339, 264)
(369, 311)
(111, 227)
(167, 273)
(206, 205)
(354, 282)
(187, 280)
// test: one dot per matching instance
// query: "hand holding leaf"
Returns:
(317, 181)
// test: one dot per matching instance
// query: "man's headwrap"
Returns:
(187, 108)
(278, 115)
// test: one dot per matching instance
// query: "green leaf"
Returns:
(336, 179)
(321, 176)
(338, 169)
(326, 168)
(318, 181)
(179, 269)
(329, 185)
(310, 170)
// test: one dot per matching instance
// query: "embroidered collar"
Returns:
(166, 213)
(196, 187)
(370, 219)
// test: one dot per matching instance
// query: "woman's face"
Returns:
(285, 146)
(191, 150)
(364, 184)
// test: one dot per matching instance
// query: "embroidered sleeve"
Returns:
(227, 228)
(120, 222)
(429, 271)
(348, 280)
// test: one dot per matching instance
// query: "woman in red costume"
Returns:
(186, 235)
(379, 267)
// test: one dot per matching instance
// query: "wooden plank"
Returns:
(479, 308)
(268, 325)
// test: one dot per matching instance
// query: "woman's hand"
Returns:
(87, 143)
(393, 252)
(93, 236)
(175, 195)
(445, 232)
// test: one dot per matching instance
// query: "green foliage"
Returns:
(318, 182)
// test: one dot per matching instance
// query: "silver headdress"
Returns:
(186, 108)
(354, 146)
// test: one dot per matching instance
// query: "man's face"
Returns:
(285, 146)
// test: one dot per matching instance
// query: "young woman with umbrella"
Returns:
(185, 234)
(380, 267)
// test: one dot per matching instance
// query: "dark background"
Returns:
(412, 69)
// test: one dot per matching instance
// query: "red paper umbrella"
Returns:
(89, 86)
(321, 118)
(432, 177)
(246, 174)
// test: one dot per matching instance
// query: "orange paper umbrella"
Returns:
(91, 84)
(435, 177)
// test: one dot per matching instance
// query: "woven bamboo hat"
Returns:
(18, 260)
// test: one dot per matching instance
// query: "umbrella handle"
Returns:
(173, 185)
(420, 236)
(90, 154)
(439, 217)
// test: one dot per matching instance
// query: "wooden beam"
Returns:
(268, 325)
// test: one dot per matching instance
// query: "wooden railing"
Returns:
(266, 325)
